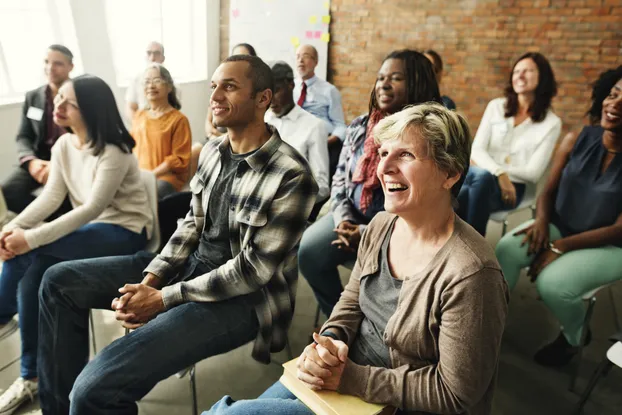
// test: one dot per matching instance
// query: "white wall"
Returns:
(96, 54)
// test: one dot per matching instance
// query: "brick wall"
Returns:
(478, 40)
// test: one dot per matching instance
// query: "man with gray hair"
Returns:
(298, 128)
(135, 95)
(37, 132)
(321, 99)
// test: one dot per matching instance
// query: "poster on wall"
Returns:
(275, 28)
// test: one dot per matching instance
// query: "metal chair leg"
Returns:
(193, 389)
(92, 324)
(602, 370)
(579, 358)
(317, 317)
(615, 311)
(504, 227)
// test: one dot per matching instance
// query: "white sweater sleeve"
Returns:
(50, 199)
(479, 149)
(111, 170)
(539, 160)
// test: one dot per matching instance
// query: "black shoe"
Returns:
(559, 352)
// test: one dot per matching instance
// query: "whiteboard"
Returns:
(275, 28)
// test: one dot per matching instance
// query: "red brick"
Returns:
(478, 40)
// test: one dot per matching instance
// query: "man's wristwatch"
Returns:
(555, 250)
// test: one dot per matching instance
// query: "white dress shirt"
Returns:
(307, 134)
(523, 151)
(324, 101)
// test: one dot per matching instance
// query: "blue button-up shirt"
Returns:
(324, 101)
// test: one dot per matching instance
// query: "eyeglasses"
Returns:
(154, 82)
(154, 53)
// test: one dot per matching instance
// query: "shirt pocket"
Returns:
(498, 136)
(197, 187)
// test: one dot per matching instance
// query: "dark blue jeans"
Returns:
(276, 400)
(21, 277)
(127, 369)
(318, 261)
(480, 196)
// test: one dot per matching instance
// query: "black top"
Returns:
(215, 245)
(378, 297)
(587, 199)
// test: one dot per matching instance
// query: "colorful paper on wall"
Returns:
(326, 37)
(313, 19)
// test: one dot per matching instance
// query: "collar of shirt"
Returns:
(295, 113)
(309, 81)
(258, 160)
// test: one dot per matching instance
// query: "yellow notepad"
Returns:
(329, 402)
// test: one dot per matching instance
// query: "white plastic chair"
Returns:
(613, 357)
(528, 202)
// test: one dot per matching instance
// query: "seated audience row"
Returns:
(574, 245)
(228, 273)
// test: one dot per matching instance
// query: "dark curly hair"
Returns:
(600, 89)
(421, 85)
(545, 91)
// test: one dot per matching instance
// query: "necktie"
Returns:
(303, 95)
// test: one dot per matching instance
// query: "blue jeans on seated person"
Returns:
(318, 261)
(127, 369)
(21, 277)
(276, 400)
(480, 196)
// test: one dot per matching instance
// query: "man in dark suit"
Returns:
(37, 132)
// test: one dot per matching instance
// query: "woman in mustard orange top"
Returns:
(162, 133)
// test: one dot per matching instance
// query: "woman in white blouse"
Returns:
(514, 142)
(93, 165)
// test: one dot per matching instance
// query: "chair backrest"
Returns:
(149, 180)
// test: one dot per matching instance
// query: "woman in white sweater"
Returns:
(514, 142)
(93, 165)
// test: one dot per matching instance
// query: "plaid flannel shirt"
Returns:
(271, 198)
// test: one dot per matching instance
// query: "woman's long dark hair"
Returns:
(600, 90)
(100, 115)
(421, 85)
(544, 93)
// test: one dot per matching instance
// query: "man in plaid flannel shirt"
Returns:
(227, 275)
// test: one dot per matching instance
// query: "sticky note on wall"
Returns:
(326, 5)
(325, 37)
(295, 41)
(309, 34)
(313, 19)
(326, 19)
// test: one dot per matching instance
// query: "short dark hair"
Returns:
(258, 72)
(62, 49)
(600, 90)
(99, 111)
(249, 48)
(438, 62)
(545, 91)
(421, 85)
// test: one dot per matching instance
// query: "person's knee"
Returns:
(551, 289)
(54, 278)
(482, 177)
(88, 390)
